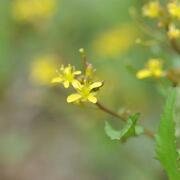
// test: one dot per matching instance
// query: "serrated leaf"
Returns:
(128, 130)
(166, 141)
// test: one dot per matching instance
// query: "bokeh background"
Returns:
(41, 136)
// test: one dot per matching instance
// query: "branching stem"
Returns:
(121, 117)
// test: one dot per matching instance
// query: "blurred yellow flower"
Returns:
(42, 69)
(115, 41)
(152, 9)
(66, 75)
(153, 69)
(173, 32)
(85, 92)
(174, 9)
(33, 10)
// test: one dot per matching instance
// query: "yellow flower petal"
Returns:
(76, 84)
(95, 85)
(144, 73)
(158, 73)
(92, 98)
(66, 84)
(56, 80)
(174, 9)
(152, 9)
(68, 69)
(173, 32)
(154, 64)
(77, 72)
(73, 97)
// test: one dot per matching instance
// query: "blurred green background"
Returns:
(41, 136)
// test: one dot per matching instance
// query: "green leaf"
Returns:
(131, 69)
(179, 152)
(178, 157)
(139, 130)
(130, 129)
(166, 141)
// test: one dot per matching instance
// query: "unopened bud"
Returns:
(82, 51)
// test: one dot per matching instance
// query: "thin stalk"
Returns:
(175, 46)
(121, 117)
(173, 41)
(108, 111)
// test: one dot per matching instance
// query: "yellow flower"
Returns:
(66, 75)
(152, 9)
(153, 69)
(173, 32)
(115, 41)
(33, 10)
(85, 92)
(42, 69)
(174, 9)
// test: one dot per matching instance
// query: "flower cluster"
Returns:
(174, 9)
(83, 83)
(66, 75)
(168, 16)
(173, 32)
(86, 91)
(31, 11)
(152, 9)
(153, 69)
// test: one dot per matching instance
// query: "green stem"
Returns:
(122, 117)
(175, 46)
